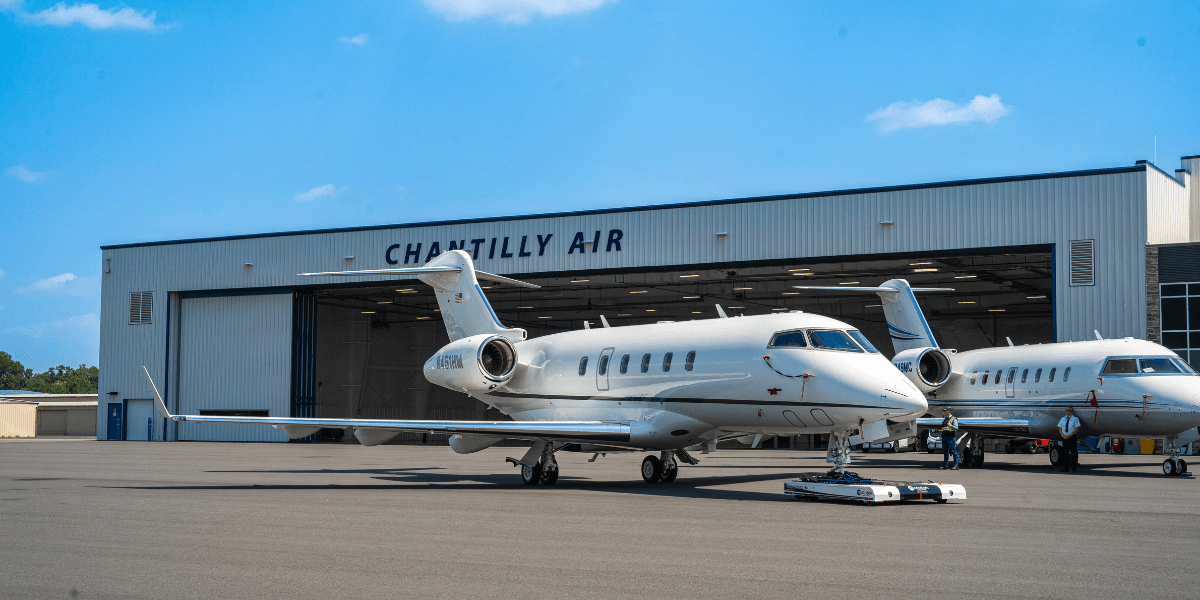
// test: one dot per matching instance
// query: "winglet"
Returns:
(603, 320)
(158, 401)
(721, 311)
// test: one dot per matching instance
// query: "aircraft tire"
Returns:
(1055, 455)
(549, 476)
(651, 469)
(1169, 467)
(669, 475)
(1182, 466)
(531, 475)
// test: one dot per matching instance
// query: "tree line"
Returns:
(56, 380)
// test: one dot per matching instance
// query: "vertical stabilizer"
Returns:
(465, 310)
(906, 323)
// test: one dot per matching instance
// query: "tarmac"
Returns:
(92, 519)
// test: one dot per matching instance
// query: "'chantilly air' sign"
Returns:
(503, 247)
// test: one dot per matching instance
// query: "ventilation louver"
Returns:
(1082, 263)
(140, 304)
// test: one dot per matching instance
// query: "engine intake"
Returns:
(479, 363)
(927, 368)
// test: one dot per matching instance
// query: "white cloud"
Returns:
(358, 40)
(2, 273)
(511, 11)
(88, 15)
(900, 115)
(83, 324)
(320, 192)
(66, 284)
(24, 174)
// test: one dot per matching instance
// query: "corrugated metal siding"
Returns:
(1167, 209)
(1108, 207)
(236, 353)
(1179, 264)
(1192, 180)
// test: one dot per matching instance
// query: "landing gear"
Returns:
(543, 471)
(1173, 465)
(838, 452)
(651, 469)
(1056, 455)
(531, 475)
(970, 450)
(663, 468)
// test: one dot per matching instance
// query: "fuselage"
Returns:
(1156, 395)
(695, 380)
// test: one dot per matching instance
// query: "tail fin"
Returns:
(906, 323)
(465, 310)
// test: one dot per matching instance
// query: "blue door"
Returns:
(114, 421)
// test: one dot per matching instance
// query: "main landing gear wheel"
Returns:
(651, 469)
(549, 476)
(669, 475)
(532, 475)
(1182, 466)
(1056, 456)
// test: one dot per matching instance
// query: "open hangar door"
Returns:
(373, 339)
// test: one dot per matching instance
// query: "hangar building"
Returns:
(226, 326)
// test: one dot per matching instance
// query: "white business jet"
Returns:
(659, 388)
(1123, 388)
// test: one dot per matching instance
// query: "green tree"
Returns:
(57, 380)
(13, 375)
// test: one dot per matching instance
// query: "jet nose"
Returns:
(900, 394)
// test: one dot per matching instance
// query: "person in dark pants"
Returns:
(949, 440)
(1068, 426)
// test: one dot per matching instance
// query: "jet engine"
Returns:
(479, 363)
(927, 368)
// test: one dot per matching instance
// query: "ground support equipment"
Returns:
(851, 487)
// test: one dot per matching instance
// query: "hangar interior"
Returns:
(369, 342)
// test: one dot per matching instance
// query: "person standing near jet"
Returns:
(949, 441)
(1068, 426)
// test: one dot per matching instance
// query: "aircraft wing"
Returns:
(372, 432)
(983, 424)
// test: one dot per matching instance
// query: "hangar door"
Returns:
(235, 358)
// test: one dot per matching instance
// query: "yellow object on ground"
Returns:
(1147, 446)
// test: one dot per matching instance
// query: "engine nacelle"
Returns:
(479, 363)
(927, 368)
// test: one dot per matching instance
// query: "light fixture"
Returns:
(967, 302)
(964, 276)
(545, 317)
(737, 307)
(407, 291)
(873, 305)
(803, 273)
(524, 307)
(348, 257)
(624, 315)
(848, 283)
(1035, 297)
(779, 309)
(886, 223)
(437, 310)
(385, 302)
(485, 287)
(925, 270)
(638, 291)
(801, 269)
(694, 275)
(651, 310)
(696, 312)
(995, 310)
(742, 288)
(919, 263)
(722, 233)
(791, 293)
(368, 312)
(579, 281)
(691, 297)
(422, 318)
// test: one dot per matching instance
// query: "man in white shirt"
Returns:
(1068, 427)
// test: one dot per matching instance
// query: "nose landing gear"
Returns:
(1173, 465)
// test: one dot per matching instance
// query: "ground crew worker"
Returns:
(949, 439)
(1068, 426)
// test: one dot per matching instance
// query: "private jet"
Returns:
(661, 388)
(1125, 388)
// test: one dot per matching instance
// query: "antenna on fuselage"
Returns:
(1097, 332)
(603, 320)
(587, 325)
(1010, 341)
(721, 311)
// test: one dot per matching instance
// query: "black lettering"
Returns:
(522, 251)
(492, 251)
(388, 255)
(434, 250)
(614, 239)
(462, 245)
(577, 243)
(542, 243)
(475, 253)
(504, 253)
(415, 254)
(596, 242)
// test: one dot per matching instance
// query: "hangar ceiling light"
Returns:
(651, 310)
(422, 318)
(924, 270)
(579, 280)
(527, 307)
(742, 288)
(689, 275)
(624, 315)
(967, 302)
(545, 317)
(779, 309)
(791, 293)
(691, 297)
(964, 277)
(1035, 297)
(873, 305)
(995, 310)
(917, 264)
(801, 269)
(368, 312)
(638, 291)
(848, 283)
(737, 307)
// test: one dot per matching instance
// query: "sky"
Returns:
(155, 120)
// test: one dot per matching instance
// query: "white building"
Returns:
(225, 324)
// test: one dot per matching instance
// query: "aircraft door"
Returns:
(1010, 384)
(603, 366)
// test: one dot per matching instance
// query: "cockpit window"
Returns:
(1120, 366)
(1157, 365)
(789, 339)
(1183, 365)
(831, 339)
(862, 341)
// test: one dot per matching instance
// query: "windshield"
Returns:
(789, 339)
(833, 340)
(862, 341)
(1158, 365)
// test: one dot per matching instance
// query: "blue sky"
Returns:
(156, 120)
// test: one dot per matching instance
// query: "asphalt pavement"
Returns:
(212, 520)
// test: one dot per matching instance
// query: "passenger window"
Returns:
(832, 339)
(602, 368)
(1037, 376)
(789, 339)
(646, 363)
(691, 361)
(974, 374)
(582, 366)
(984, 381)
(1117, 366)
(1066, 374)
(625, 364)
(1024, 375)
(1011, 374)
(862, 341)
(999, 372)
(667, 362)
(1052, 374)
(1158, 365)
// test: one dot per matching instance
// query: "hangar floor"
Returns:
(197, 520)
(371, 340)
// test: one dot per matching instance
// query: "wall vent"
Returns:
(140, 304)
(1083, 270)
